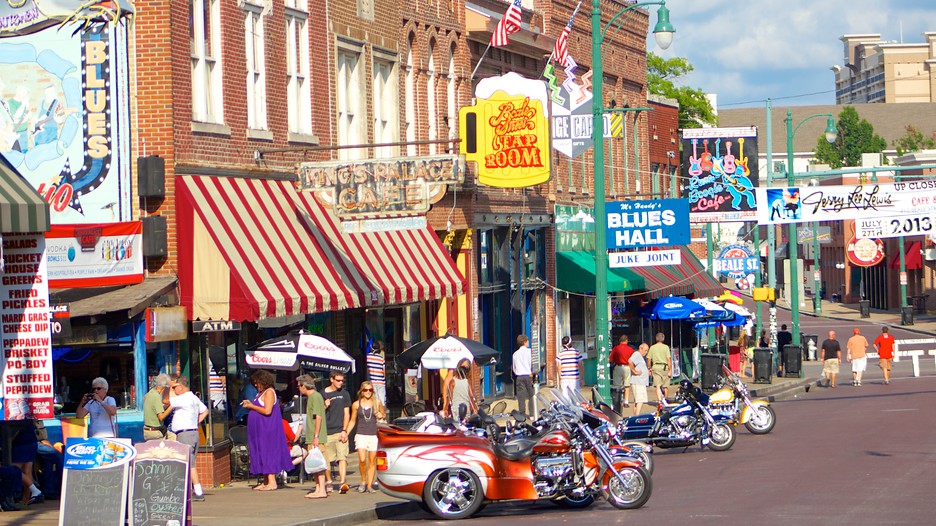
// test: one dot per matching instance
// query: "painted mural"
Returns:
(64, 119)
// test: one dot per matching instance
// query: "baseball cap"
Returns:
(856, 330)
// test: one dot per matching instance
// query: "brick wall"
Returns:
(214, 467)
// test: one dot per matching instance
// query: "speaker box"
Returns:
(151, 176)
(154, 236)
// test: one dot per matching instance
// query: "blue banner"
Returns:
(648, 223)
(736, 261)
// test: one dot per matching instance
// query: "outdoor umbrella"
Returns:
(712, 309)
(730, 296)
(739, 310)
(444, 352)
(671, 308)
(300, 349)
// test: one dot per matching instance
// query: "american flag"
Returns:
(561, 51)
(508, 25)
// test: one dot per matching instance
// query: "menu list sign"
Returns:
(25, 338)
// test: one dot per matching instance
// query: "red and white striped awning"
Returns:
(251, 249)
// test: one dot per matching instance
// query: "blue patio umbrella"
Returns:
(671, 308)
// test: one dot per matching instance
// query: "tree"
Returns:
(855, 137)
(694, 107)
(913, 141)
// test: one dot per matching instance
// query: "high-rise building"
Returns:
(877, 70)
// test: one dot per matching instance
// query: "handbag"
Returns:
(315, 461)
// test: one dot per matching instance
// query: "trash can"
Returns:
(710, 364)
(810, 343)
(763, 365)
(864, 306)
(792, 360)
(906, 315)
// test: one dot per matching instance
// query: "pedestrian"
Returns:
(188, 412)
(764, 340)
(248, 392)
(23, 449)
(784, 338)
(523, 375)
(337, 417)
(569, 362)
(747, 354)
(315, 434)
(265, 435)
(884, 345)
(376, 371)
(640, 379)
(457, 391)
(831, 358)
(410, 386)
(621, 373)
(156, 409)
(857, 347)
(661, 363)
(366, 411)
(100, 409)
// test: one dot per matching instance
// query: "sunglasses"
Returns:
(367, 390)
(338, 381)
(97, 388)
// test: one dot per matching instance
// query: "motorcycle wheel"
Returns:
(453, 493)
(569, 501)
(634, 494)
(762, 420)
(723, 437)
(644, 457)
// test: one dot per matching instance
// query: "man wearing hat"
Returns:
(857, 354)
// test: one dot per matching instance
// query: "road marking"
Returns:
(896, 410)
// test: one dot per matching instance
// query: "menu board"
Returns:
(94, 496)
(159, 484)
(25, 338)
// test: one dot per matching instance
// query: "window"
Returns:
(256, 67)
(431, 107)
(298, 89)
(409, 96)
(386, 107)
(350, 104)
(205, 48)
(452, 97)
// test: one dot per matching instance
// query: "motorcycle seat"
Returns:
(516, 449)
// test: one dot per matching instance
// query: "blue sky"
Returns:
(747, 51)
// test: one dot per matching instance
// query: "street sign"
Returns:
(215, 326)
(649, 223)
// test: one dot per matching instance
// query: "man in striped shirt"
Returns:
(376, 363)
(569, 360)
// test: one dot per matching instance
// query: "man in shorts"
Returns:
(188, 412)
(337, 416)
(621, 373)
(661, 363)
(831, 358)
(884, 345)
(857, 347)
(640, 378)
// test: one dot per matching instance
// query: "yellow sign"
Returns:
(764, 294)
(507, 132)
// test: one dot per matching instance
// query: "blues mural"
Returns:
(719, 169)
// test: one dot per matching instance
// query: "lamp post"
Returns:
(663, 31)
(831, 133)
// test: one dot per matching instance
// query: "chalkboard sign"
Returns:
(94, 496)
(160, 483)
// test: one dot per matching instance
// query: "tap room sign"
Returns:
(809, 204)
(506, 133)
(648, 223)
(719, 166)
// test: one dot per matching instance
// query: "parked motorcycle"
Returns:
(454, 474)
(682, 425)
(733, 400)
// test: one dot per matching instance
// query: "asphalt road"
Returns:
(849, 456)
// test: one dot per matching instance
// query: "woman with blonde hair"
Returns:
(366, 411)
(456, 390)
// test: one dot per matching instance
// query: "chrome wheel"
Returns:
(633, 493)
(762, 420)
(453, 493)
(722, 437)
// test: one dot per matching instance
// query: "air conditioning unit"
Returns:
(929, 254)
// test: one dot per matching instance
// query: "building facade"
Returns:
(879, 71)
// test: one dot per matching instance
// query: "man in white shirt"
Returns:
(640, 376)
(523, 372)
(187, 413)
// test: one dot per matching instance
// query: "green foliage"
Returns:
(855, 137)
(694, 106)
(913, 141)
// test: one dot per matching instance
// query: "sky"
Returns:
(748, 51)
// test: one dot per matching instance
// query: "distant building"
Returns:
(876, 71)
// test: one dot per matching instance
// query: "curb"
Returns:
(380, 512)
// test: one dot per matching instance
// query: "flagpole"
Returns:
(478, 65)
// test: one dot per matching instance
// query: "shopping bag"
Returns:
(315, 461)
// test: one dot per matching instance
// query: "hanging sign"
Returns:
(649, 223)
(736, 261)
(864, 252)
(916, 225)
(651, 258)
(720, 169)
(807, 204)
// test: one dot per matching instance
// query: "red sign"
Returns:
(865, 252)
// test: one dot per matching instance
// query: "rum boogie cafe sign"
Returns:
(650, 223)
(807, 204)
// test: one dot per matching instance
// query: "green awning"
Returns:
(575, 272)
(22, 209)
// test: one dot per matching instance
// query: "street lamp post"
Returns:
(830, 135)
(663, 31)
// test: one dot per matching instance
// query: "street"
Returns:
(852, 455)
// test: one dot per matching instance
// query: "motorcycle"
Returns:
(733, 400)
(682, 425)
(453, 474)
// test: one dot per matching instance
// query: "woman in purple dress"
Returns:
(265, 435)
